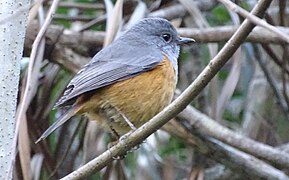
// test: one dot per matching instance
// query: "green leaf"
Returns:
(220, 15)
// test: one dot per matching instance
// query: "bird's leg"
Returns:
(133, 128)
(113, 116)
(128, 121)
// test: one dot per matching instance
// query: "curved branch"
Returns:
(137, 137)
(207, 126)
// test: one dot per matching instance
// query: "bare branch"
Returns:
(247, 163)
(178, 10)
(29, 85)
(236, 160)
(207, 126)
(91, 39)
(217, 34)
(79, 5)
(282, 103)
(33, 71)
(136, 137)
(254, 19)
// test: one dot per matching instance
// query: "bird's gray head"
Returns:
(159, 33)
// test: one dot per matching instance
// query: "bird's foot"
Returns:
(123, 137)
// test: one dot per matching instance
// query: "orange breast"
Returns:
(138, 98)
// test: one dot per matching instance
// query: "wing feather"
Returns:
(105, 69)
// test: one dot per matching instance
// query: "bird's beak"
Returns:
(184, 40)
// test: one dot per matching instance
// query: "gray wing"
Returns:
(107, 68)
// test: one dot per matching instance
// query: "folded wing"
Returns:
(107, 68)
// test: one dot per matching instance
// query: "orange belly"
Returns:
(138, 98)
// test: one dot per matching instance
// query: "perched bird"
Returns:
(128, 82)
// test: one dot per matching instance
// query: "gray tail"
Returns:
(65, 117)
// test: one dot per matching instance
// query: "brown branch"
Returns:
(171, 12)
(92, 39)
(207, 126)
(93, 22)
(32, 74)
(284, 75)
(284, 148)
(242, 162)
(274, 56)
(78, 5)
(73, 18)
(36, 44)
(79, 41)
(217, 34)
(231, 157)
(178, 10)
(280, 99)
(254, 19)
(68, 59)
(130, 140)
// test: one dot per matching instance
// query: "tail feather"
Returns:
(64, 118)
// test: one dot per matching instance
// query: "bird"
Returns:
(128, 82)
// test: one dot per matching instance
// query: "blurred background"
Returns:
(249, 95)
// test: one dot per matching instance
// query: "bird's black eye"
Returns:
(167, 37)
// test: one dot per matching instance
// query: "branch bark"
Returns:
(62, 44)
(79, 40)
(206, 126)
(237, 160)
(219, 34)
(254, 19)
(241, 161)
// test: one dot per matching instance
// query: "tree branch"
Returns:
(207, 126)
(79, 40)
(240, 161)
(254, 19)
(219, 34)
(136, 137)
(232, 158)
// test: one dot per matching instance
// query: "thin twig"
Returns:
(274, 56)
(272, 83)
(250, 164)
(31, 72)
(282, 12)
(95, 39)
(205, 125)
(73, 18)
(66, 151)
(171, 12)
(284, 75)
(233, 158)
(254, 19)
(79, 5)
(91, 23)
(23, 106)
(178, 10)
(231, 81)
(23, 128)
